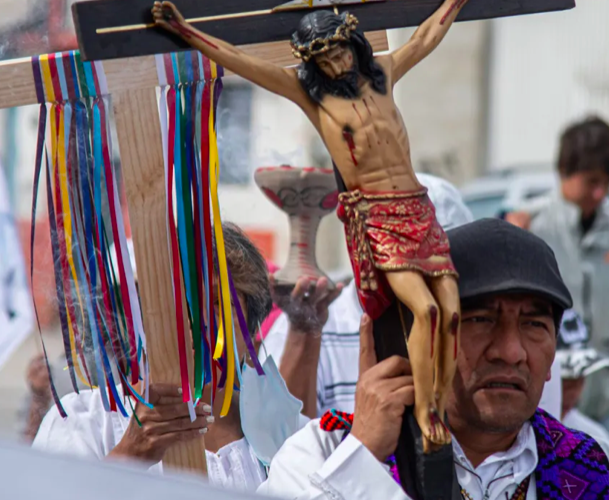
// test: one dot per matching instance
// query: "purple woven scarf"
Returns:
(571, 466)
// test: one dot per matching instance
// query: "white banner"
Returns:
(16, 308)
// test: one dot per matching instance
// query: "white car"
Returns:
(508, 189)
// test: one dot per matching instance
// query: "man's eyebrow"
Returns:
(538, 308)
(479, 305)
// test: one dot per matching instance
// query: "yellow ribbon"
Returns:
(225, 333)
(59, 156)
(67, 220)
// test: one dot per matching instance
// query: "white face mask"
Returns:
(269, 413)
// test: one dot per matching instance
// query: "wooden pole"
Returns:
(138, 128)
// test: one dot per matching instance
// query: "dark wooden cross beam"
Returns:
(90, 16)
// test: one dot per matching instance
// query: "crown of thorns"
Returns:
(322, 45)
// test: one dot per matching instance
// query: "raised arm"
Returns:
(276, 79)
(425, 39)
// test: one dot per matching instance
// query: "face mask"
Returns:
(269, 413)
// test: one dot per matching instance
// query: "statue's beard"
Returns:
(346, 86)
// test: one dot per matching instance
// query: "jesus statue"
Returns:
(396, 246)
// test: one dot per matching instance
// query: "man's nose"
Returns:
(507, 344)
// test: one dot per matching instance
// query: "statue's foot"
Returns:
(434, 430)
(440, 434)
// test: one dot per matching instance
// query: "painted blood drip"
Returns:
(367, 108)
(457, 4)
(358, 114)
(348, 136)
(433, 313)
(189, 34)
(454, 329)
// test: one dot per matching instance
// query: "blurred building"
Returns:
(545, 71)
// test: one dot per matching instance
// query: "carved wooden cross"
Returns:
(232, 20)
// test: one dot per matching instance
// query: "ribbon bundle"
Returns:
(97, 297)
(190, 89)
(98, 305)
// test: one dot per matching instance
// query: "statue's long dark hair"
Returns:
(323, 24)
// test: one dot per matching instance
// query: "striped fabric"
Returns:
(335, 420)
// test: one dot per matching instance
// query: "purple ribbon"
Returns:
(243, 326)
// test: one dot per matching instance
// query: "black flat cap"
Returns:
(494, 256)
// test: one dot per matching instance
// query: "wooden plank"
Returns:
(91, 15)
(17, 80)
(17, 83)
(138, 127)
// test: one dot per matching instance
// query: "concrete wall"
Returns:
(546, 71)
(443, 102)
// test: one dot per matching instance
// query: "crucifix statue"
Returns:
(397, 247)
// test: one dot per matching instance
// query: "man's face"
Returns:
(507, 349)
(337, 62)
(586, 189)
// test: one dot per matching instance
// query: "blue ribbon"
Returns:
(97, 169)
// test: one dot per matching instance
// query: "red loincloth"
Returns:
(389, 232)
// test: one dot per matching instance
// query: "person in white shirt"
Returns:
(89, 431)
(578, 360)
(512, 298)
(325, 378)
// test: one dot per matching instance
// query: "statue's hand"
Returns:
(383, 392)
(307, 306)
(167, 16)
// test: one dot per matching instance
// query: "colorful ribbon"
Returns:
(97, 300)
(190, 89)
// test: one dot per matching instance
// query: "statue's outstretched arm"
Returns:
(276, 79)
(425, 39)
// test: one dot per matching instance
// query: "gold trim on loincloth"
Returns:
(357, 206)
(356, 196)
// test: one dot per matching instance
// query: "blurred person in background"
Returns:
(574, 221)
(577, 361)
(39, 399)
